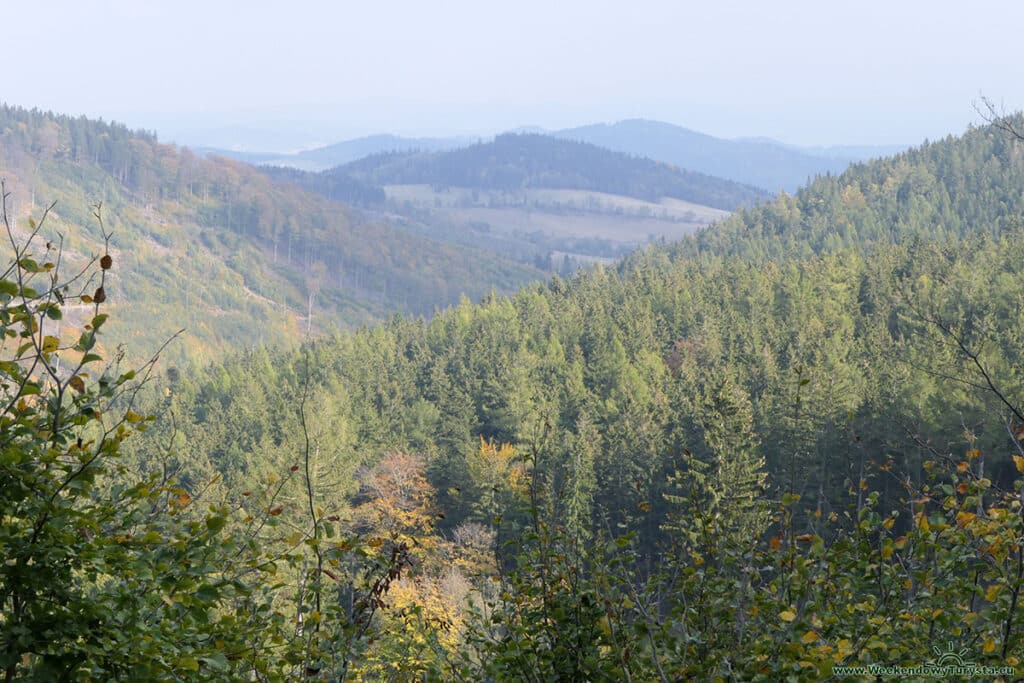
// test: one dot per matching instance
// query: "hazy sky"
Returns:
(299, 72)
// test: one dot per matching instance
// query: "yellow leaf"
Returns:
(809, 638)
(964, 518)
(900, 542)
(922, 522)
(889, 523)
(1018, 460)
(787, 615)
(989, 646)
(886, 552)
(50, 344)
(973, 454)
(993, 592)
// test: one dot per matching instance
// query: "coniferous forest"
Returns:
(790, 444)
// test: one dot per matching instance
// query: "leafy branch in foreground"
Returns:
(113, 573)
(109, 574)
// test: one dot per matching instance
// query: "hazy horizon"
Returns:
(312, 73)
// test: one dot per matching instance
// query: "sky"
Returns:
(283, 75)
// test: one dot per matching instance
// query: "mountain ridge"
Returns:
(759, 161)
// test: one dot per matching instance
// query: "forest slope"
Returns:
(828, 359)
(718, 459)
(216, 247)
(950, 188)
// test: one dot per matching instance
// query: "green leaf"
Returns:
(216, 662)
(216, 523)
(188, 663)
(85, 342)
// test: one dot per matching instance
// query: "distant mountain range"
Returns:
(762, 162)
(323, 158)
(515, 162)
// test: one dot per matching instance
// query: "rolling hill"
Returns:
(554, 203)
(530, 161)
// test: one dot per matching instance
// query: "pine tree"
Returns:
(719, 498)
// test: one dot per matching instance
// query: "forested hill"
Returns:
(721, 431)
(218, 248)
(813, 301)
(945, 189)
(521, 161)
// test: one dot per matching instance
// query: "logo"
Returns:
(950, 657)
(947, 663)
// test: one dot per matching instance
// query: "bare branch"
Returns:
(997, 117)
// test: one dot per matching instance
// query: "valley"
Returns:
(457, 398)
